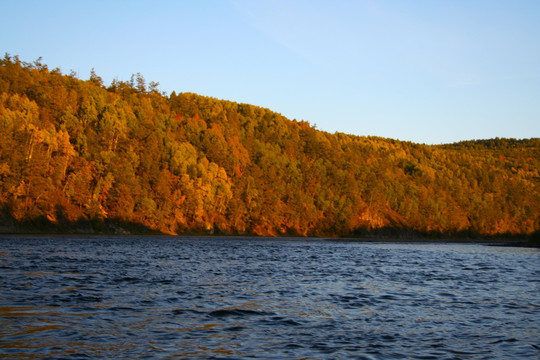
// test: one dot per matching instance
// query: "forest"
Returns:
(80, 156)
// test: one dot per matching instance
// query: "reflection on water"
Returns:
(162, 297)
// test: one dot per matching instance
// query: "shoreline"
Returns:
(448, 240)
(522, 241)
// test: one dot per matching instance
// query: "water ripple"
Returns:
(233, 298)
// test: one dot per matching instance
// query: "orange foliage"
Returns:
(74, 151)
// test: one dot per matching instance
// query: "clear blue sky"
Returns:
(424, 71)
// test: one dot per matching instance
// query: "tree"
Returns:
(73, 150)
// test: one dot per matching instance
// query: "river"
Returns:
(152, 297)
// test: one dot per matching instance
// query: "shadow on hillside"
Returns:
(61, 225)
(97, 226)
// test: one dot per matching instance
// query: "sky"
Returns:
(423, 71)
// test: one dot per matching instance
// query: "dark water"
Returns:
(164, 297)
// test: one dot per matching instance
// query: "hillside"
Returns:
(80, 156)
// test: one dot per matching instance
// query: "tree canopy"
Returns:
(77, 155)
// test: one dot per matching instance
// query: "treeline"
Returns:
(82, 156)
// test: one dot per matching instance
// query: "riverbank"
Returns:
(99, 227)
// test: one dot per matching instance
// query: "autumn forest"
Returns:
(80, 156)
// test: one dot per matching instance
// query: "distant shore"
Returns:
(532, 241)
(449, 240)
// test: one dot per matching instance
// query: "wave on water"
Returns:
(144, 297)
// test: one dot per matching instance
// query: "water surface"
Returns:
(165, 297)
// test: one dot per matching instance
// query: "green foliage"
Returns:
(74, 150)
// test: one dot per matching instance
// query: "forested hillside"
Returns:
(81, 156)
